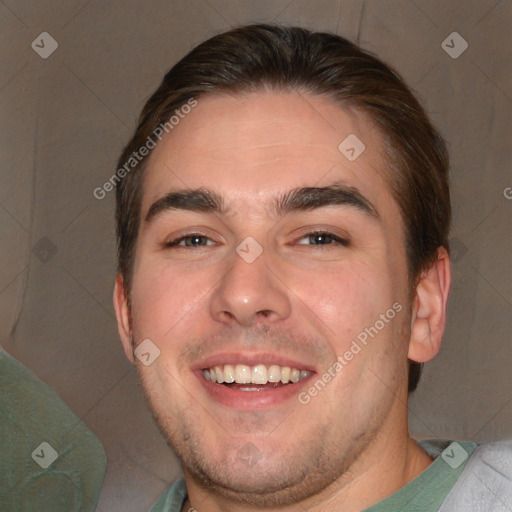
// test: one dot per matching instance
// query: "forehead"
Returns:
(247, 146)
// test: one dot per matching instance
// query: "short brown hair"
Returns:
(280, 58)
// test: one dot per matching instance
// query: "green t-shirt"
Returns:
(425, 493)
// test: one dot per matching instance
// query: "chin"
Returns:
(265, 484)
(263, 475)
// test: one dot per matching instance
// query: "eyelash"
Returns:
(175, 242)
(338, 240)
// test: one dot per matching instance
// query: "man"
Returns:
(283, 214)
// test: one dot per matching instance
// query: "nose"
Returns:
(250, 293)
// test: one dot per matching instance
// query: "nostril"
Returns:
(228, 315)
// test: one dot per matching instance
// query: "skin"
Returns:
(349, 447)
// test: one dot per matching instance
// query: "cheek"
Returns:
(162, 297)
(347, 299)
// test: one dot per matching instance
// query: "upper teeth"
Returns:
(259, 374)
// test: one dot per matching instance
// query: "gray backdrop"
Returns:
(67, 116)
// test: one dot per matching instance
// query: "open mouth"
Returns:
(254, 378)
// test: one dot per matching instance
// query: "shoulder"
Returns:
(485, 484)
(494, 460)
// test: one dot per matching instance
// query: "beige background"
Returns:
(66, 118)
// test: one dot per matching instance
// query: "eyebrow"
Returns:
(298, 199)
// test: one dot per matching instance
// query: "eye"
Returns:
(192, 240)
(322, 238)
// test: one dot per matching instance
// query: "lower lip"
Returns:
(251, 400)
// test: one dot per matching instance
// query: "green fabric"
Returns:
(428, 490)
(49, 460)
(425, 493)
(173, 499)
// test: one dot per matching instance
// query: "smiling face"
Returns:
(263, 253)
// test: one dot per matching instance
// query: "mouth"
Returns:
(257, 377)
(255, 383)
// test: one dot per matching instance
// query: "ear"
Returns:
(123, 318)
(429, 309)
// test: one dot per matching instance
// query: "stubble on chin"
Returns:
(306, 470)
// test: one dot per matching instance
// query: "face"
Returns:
(267, 257)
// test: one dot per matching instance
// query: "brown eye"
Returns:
(194, 241)
(322, 238)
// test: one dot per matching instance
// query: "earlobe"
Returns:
(429, 310)
(123, 317)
